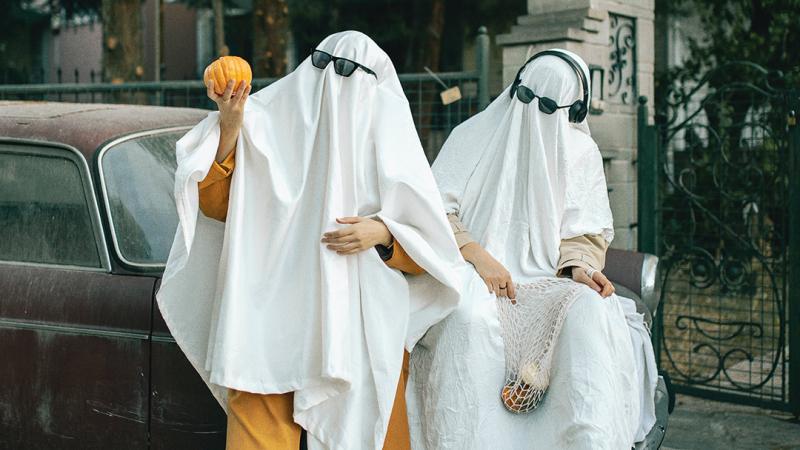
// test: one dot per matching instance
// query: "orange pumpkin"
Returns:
(227, 68)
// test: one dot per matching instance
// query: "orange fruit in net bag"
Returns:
(227, 68)
(513, 397)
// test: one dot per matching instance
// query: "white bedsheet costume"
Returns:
(259, 304)
(521, 181)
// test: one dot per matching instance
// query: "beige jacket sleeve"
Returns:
(587, 251)
(459, 230)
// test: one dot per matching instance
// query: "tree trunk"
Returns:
(270, 32)
(122, 40)
(431, 58)
(219, 28)
(433, 32)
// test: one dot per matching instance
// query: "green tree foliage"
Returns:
(758, 31)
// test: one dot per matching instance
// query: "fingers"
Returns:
(506, 286)
(349, 220)
(346, 249)
(210, 91)
(605, 283)
(589, 282)
(333, 236)
(489, 286)
(580, 276)
(512, 290)
(247, 92)
(241, 92)
(226, 96)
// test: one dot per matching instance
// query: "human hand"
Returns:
(598, 282)
(496, 277)
(231, 114)
(362, 234)
(230, 103)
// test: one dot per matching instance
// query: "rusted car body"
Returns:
(86, 362)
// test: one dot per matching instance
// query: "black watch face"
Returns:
(385, 252)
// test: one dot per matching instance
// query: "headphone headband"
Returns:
(579, 112)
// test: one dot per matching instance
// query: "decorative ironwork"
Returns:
(723, 152)
(622, 75)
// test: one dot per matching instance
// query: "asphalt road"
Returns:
(708, 425)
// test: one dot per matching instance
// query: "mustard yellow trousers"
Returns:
(264, 422)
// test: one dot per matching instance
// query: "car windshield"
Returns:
(138, 175)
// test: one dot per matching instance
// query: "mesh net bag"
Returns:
(530, 326)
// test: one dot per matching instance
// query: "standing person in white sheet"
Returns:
(525, 179)
(275, 300)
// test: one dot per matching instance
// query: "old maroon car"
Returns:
(87, 220)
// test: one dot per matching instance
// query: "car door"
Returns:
(74, 338)
(136, 178)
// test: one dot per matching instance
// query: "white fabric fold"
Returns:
(259, 304)
(522, 180)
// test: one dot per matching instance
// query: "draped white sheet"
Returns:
(259, 304)
(521, 181)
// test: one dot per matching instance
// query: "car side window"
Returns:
(44, 210)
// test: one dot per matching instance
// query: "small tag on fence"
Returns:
(450, 95)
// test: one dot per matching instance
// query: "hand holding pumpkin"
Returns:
(230, 103)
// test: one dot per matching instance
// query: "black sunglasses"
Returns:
(546, 105)
(342, 66)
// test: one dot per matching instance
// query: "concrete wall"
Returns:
(78, 44)
(178, 43)
(73, 46)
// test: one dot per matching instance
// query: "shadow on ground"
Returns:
(698, 424)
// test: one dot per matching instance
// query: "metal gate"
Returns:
(719, 202)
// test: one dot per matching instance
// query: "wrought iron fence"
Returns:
(715, 182)
(433, 119)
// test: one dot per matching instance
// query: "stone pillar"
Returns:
(616, 40)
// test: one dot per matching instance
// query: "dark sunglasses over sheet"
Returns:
(342, 66)
(546, 105)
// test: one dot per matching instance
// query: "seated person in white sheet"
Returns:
(525, 179)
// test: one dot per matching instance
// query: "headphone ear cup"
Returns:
(577, 112)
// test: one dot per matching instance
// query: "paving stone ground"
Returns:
(708, 425)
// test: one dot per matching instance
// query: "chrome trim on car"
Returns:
(649, 280)
(163, 339)
(100, 173)
(102, 250)
(84, 331)
(6, 262)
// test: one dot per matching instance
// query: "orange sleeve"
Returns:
(215, 189)
(402, 262)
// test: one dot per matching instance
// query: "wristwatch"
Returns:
(385, 252)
